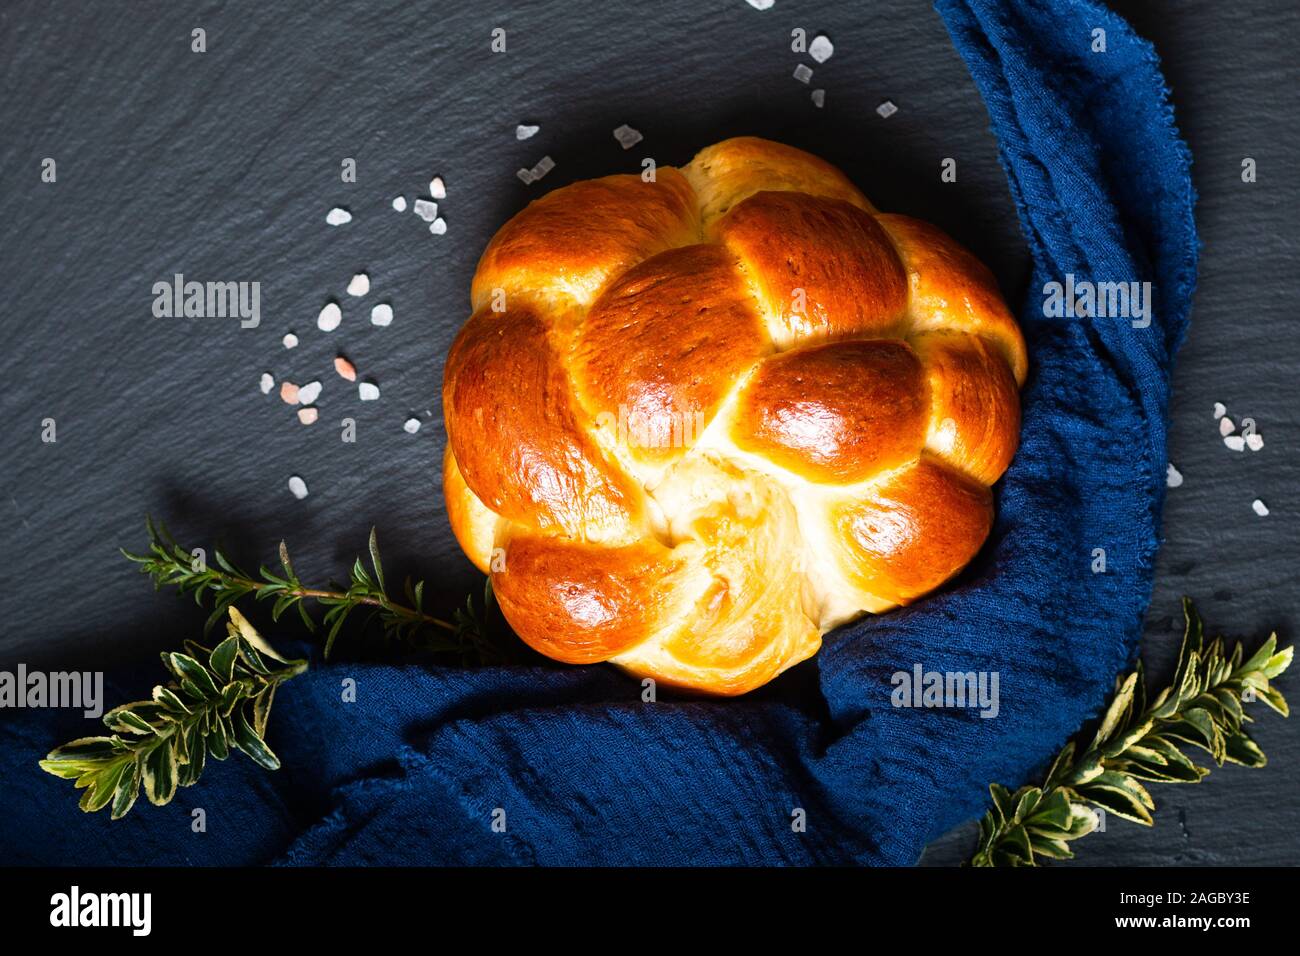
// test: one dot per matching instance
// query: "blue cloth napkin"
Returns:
(581, 771)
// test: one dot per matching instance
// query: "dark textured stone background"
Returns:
(222, 166)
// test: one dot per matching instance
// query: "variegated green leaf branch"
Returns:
(167, 563)
(1138, 742)
(219, 700)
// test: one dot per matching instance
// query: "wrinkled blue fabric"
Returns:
(586, 773)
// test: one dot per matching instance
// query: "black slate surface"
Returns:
(222, 166)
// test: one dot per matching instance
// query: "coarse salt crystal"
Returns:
(437, 189)
(399, 203)
(338, 216)
(411, 426)
(290, 341)
(289, 393)
(802, 73)
(1173, 477)
(1254, 441)
(526, 175)
(544, 166)
(267, 383)
(329, 317)
(381, 314)
(821, 48)
(345, 368)
(308, 416)
(1226, 427)
(1260, 508)
(307, 394)
(368, 391)
(627, 136)
(298, 487)
(761, 4)
(1219, 410)
(819, 98)
(886, 109)
(1235, 442)
(359, 285)
(426, 210)
(524, 132)
(438, 227)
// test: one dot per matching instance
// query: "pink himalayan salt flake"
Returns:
(308, 416)
(345, 368)
(289, 393)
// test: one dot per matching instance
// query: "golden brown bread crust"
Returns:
(838, 412)
(821, 268)
(569, 243)
(665, 342)
(582, 603)
(716, 414)
(914, 531)
(951, 289)
(473, 524)
(510, 422)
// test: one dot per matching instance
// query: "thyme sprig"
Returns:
(218, 700)
(168, 563)
(1138, 742)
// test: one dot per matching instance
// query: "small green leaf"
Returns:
(159, 774)
(222, 659)
(128, 788)
(191, 672)
(253, 745)
(1240, 749)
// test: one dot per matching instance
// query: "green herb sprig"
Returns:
(167, 563)
(1138, 742)
(218, 700)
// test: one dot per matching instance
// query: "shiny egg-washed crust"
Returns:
(696, 422)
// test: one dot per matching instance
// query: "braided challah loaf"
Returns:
(694, 423)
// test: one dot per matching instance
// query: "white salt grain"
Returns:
(298, 487)
(627, 136)
(886, 109)
(308, 416)
(438, 226)
(1235, 442)
(381, 314)
(329, 318)
(802, 73)
(1219, 410)
(1260, 508)
(761, 4)
(821, 49)
(819, 98)
(290, 341)
(307, 394)
(411, 426)
(1254, 441)
(524, 132)
(428, 211)
(1226, 427)
(437, 189)
(338, 217)
(267, 383)
(399, 203)
(359, 285)
(544, 166)
(1173, 477)
(368, 391)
